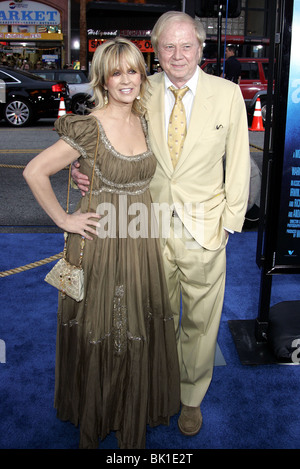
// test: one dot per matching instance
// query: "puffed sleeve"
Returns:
(78, 131)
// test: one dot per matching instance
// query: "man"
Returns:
(200, 202)
(232, 69)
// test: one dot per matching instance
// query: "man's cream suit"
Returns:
(206, 202)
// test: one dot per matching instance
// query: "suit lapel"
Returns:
(156, 115)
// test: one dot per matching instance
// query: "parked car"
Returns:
(254, 80)
(80, 90)
(24, 97)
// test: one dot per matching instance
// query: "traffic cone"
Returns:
(62, 108)
(257, 122)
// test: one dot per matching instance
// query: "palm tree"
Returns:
(83, 33)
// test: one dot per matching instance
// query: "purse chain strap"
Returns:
(82, 243)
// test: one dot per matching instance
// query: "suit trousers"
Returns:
(197, 277)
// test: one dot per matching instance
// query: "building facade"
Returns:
(134, 19)
(34, 33)
(249, 31)
(47, 32)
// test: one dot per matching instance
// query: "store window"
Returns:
(256, 4)
(255, 23)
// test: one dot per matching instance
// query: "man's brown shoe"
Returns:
(190, 420)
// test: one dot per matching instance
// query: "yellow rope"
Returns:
(17, 270)
(15, 166)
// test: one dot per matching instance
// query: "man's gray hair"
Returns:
(172, 17)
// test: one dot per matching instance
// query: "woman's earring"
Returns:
(138, 97)
(105, 97)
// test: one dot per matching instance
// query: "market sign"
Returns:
(28, 13)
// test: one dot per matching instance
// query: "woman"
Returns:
(116, 365)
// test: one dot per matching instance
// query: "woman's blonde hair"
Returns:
(107, 59)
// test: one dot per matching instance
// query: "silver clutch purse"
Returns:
(66, 277)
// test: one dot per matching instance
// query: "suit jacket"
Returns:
(210, 184)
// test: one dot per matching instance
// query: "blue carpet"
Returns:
(246, 407)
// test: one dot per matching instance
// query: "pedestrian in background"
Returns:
(232, 70)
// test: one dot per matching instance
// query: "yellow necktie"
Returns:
(177, 125)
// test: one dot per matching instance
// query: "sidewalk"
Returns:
(257, 139)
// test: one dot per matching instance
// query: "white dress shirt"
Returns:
(187, 100)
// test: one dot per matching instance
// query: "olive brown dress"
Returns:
(116, 360)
